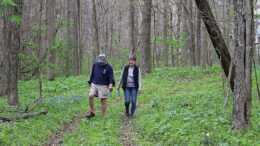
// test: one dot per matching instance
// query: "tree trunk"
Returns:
(243, 62)
(204, 49)
(191, 36)
(39, 44)
(68, 40)
(198, 44)
(50, 20)
(4, 55)
(216, 38)
(178, 37)
(95, 35)
(184, 32)
(146, 37)
(156, 46)
(132, 27)
(76, 39)
(4, 64)
(12, 45)
(165, 34)
(1, 44)
(172, 60)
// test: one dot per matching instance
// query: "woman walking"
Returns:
(131, 84)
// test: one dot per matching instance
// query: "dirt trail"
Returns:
(127, 130)
(56, 138)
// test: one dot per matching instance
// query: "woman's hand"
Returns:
(139, 92)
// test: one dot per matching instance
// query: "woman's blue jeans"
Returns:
(130, 92)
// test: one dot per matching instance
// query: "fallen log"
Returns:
(37, 101)
(24, 116)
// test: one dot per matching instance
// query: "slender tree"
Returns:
(39, 45)
(216, 37)
(204, 49)
(165, 33)
(132, 26)
(50, 21)
(198, 39)
(191, 36)
(96, 50)
(76, 38)
(178, 35)
(146, 37)
(184, 32)
(68, 39)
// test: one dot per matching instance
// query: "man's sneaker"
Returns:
(127, 114)
(90, 115)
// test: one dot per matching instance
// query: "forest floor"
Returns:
(177, 106)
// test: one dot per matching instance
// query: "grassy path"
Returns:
(56, 138)
(127, 129)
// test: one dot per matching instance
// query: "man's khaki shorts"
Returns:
(100, 91)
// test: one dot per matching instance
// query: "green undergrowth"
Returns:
(178, 106)
(65, 98)
(191, 113)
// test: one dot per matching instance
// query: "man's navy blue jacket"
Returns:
(102, 75)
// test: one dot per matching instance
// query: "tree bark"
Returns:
(96, 50)
(50, 20)
(132, 27)
(198, 37)
(4, 65)
(11, 45)
(146, 37)
(156, 52)
(191, 36)
(3, 74)
(178, 37)
(172, 55)
(204, 49)
(68, 40)
(39, 44)
(165, 33)
(184, 33)
(216, 38)
(76, 38)
(243, 62)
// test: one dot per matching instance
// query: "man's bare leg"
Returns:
(91, 102)
(103, 104)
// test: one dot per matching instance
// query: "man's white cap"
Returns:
(101, 58)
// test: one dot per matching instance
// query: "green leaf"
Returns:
(16, 19)
(10, 2)
(256, 16)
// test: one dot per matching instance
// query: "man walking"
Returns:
(101, 83)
